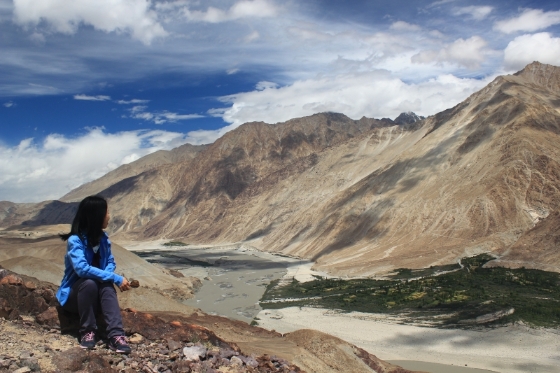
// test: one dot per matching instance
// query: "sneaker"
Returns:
(88, 341)
(119, 345)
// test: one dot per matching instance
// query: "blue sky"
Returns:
(88, 85)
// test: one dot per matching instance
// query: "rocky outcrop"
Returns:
(166, 342)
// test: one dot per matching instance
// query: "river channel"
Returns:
(234, 278)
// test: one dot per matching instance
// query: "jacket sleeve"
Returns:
(111, 265)
(76, 253)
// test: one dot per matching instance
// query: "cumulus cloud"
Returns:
(469, 53)
(239, 10)
(83, 97)
(8, 104)
(130, 16)
(529, 20)
(139, 112)
(476, 12)
(525, 49)
(31, 172)
(373, 94)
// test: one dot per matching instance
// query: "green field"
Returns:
(454, 298)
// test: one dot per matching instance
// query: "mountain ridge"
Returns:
(365, 197)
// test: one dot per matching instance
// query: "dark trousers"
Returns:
(87, 298)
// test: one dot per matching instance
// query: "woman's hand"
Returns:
(125, 285)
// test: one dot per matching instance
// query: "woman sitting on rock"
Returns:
(87, 285)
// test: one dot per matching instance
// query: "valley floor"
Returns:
(511, 349)
(515, 349)
(507, 349)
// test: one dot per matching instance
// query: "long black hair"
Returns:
(88, 222)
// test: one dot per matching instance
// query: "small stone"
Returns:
(250, 362)
(173, 345)
(25, 355)
(22, 370)
(5, 363)
(11, 280)
(31, 363)
(29, 285)
(194, 353)
(136, 338)
(236, 362)
(227, 353)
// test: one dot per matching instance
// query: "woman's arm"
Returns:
(111, 265)
(76, 253)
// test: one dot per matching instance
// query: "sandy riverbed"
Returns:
(234, 277)
(242, 270)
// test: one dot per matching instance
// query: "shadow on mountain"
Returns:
(124, 186)
(354, 228)
(260, 233)
(232, 260)
(54, 212)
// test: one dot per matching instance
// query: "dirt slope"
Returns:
(362, 197)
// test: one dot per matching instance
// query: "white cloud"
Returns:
(31, 172)
(132, 102)
(252, 37)
(131, 16)
(37, 38)
(469, 53)
(232, 71)
(139, 112)
(373, 94)
(8, 104)
(525, 49)
(440, 2)
(239, 10)
(530, 20)
(265, 85)
(476, 12)
(404, 26)
(91, 98)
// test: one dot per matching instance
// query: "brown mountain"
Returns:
(184, 153)
(365, 197)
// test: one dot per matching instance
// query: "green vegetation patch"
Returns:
(466, 295)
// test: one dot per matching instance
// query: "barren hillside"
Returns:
(469, 180)
(183, 153)
(365, 197)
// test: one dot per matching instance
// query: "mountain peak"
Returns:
(542, 74)
(408, 118)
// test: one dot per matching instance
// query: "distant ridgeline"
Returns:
(463, 295)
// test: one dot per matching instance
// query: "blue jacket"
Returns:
(78, 265)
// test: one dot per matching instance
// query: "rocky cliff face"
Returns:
(365, 197)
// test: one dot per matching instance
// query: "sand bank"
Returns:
(235, 285)
(512, 349)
